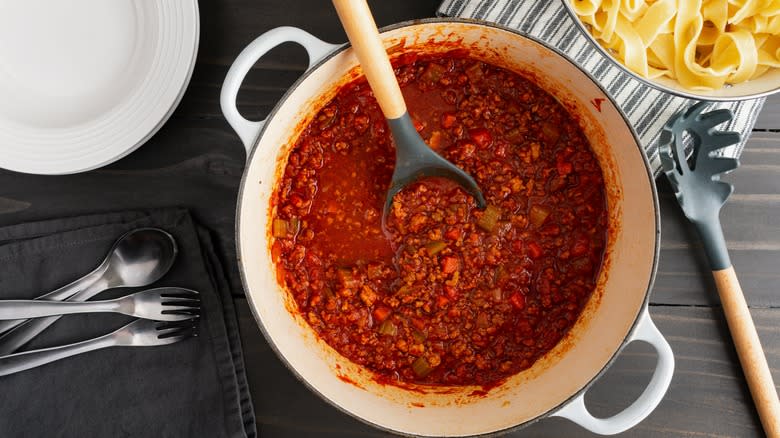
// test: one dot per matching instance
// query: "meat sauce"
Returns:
(448, 294)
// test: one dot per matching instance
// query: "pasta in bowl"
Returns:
(701, 49)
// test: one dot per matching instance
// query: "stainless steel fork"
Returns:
(162, 304)
(140, 333)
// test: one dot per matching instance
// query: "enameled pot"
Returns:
(555, 386)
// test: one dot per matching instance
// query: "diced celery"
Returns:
(435, 247)
(280, 227)
(421, 367)
(403, 290)
(347, 279)
(388, 328)
(538, 215)
(295, 225)
(489, 218)
(285, 228)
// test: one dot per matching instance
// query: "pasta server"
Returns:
(701, 193)
(413, 158)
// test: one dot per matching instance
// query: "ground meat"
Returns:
(447, 294)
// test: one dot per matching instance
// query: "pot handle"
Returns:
(645, 331)
(248, 130)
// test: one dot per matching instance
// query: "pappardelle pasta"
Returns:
(703, 44)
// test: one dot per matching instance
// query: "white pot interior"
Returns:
(573, 363)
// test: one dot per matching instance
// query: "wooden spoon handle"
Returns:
(751, 355)
(364, 37)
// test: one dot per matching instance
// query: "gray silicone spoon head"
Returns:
(415, 160)
(697, 184)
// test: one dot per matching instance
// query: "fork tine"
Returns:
(172, 308)
(186, 311)
(164, 325)
(173, 317)
(180, 293)
(178, 336)
(168, 332)
(183, 330)
(181, 296)
(174, 331)
(180, 302)
(175, 307)
(166, 308)
(172, 339)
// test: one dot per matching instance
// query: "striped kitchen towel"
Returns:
(648, 109)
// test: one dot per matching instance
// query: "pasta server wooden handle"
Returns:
(361, 29)
(751, 355)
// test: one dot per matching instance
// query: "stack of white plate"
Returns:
(85, 82)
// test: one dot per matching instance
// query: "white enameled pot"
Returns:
(555, 386)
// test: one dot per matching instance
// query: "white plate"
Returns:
(85, 82)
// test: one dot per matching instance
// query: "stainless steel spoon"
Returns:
(413, 158)
(138, 258)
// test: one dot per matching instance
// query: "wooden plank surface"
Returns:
(770, 115)
(196, 161)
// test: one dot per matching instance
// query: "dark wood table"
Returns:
(196, 161)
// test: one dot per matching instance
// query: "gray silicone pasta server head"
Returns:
(697, 183)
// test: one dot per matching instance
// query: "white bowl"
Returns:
(764, 85)
(85, 82)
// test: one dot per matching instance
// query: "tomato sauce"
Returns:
(448, 294)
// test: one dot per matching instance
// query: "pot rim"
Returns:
(424, 21)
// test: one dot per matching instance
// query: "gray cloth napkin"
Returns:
(194, 388)
(647, 108)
